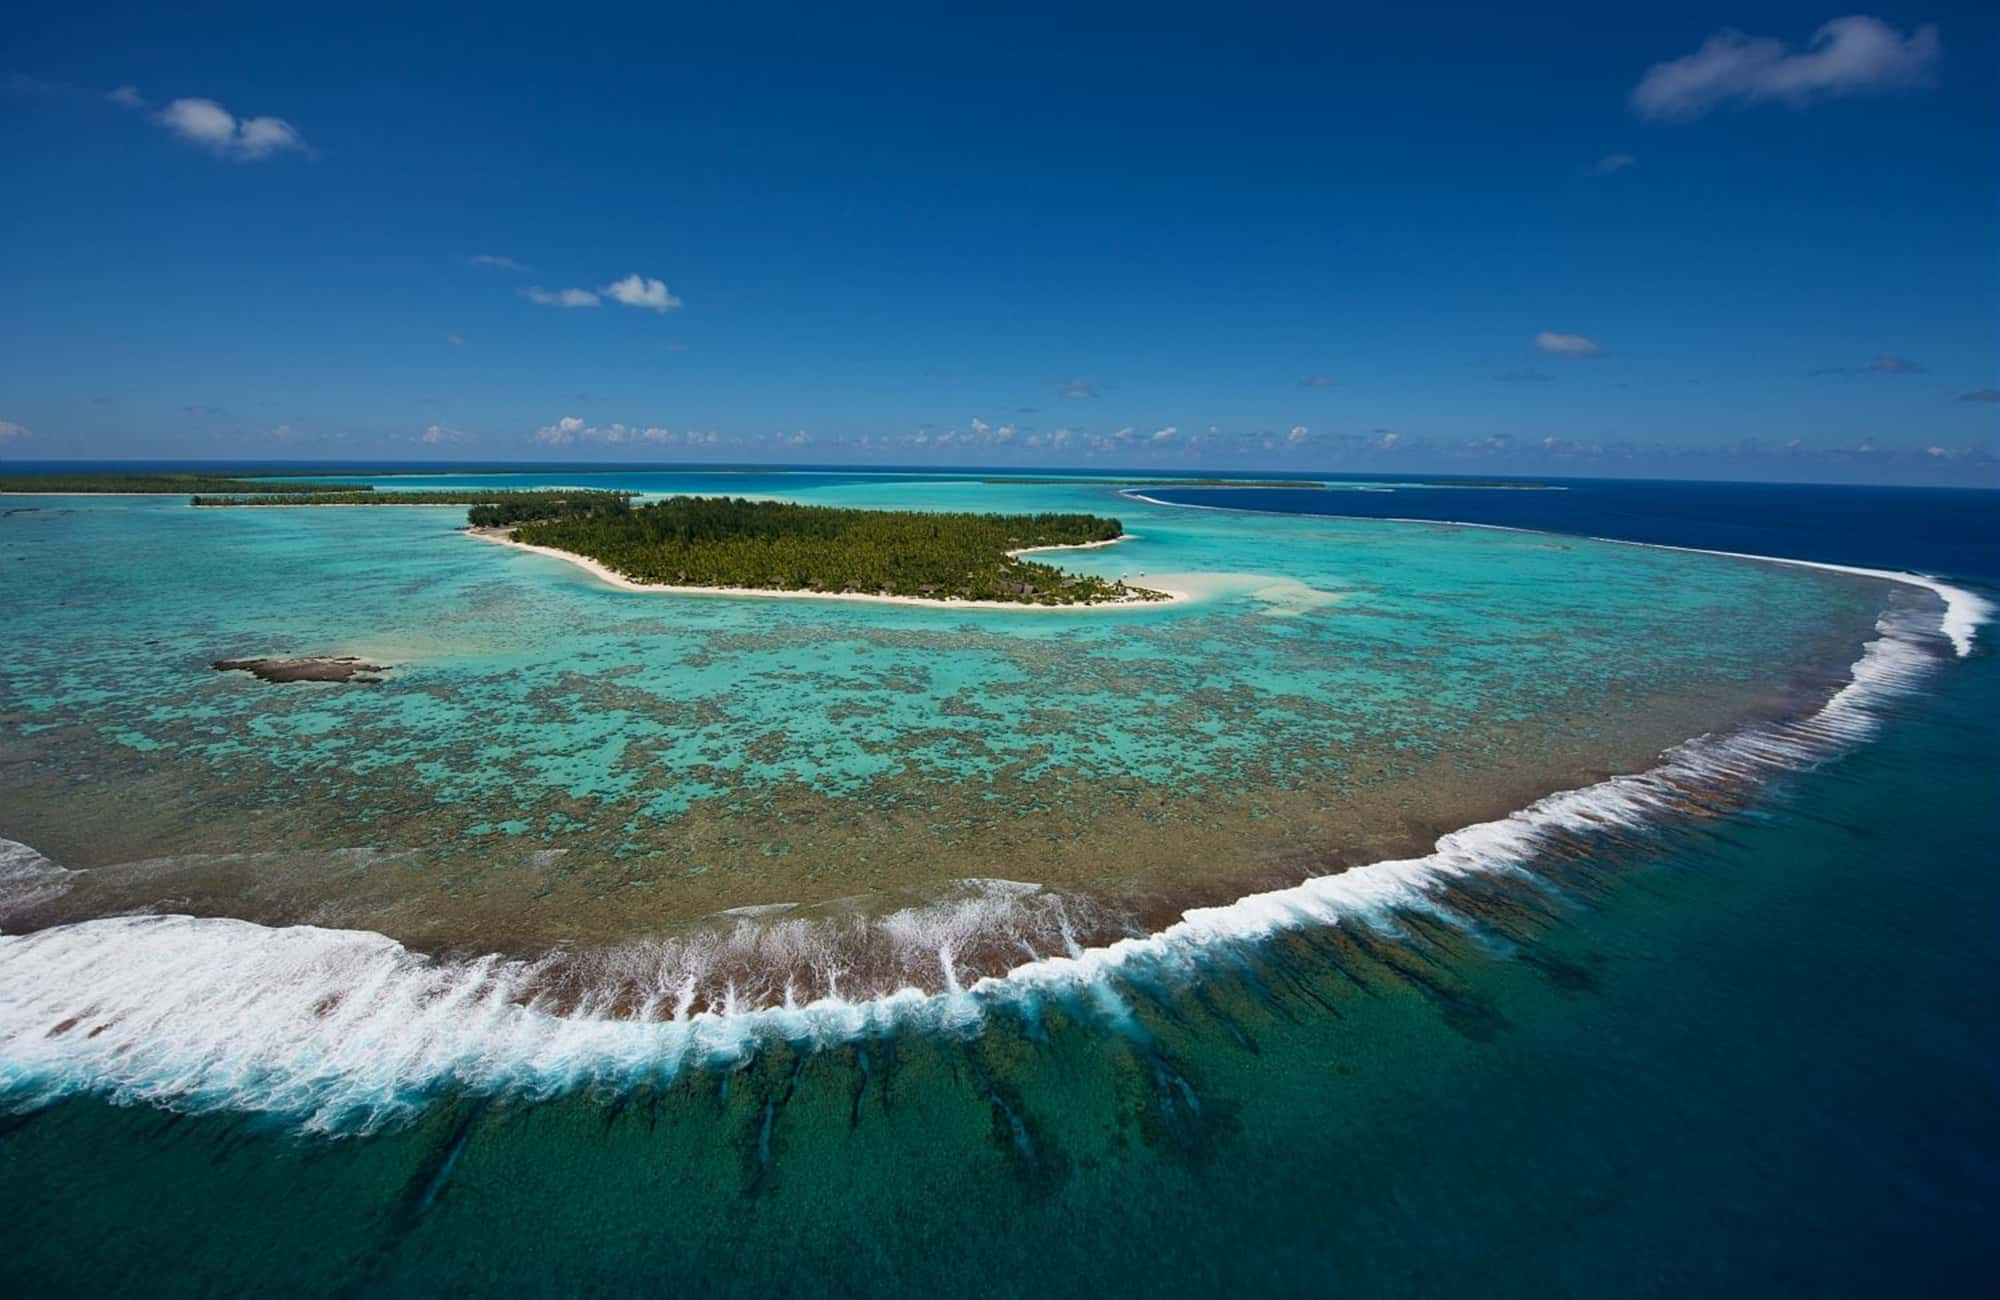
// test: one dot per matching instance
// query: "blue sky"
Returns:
(1726, 240)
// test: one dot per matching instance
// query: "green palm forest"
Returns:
(166, 484)
(733, 542)
(526, 503)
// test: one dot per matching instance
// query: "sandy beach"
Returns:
(499, 536)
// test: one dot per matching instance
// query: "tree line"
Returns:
(773, 545)
(513, 502)
(166, 484)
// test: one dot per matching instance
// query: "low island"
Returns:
(123, 484)
(724, 544)
(521, 499)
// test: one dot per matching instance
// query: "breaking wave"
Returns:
(345, 1031)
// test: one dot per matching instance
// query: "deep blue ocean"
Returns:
(1753, 1053)
(1932, 530)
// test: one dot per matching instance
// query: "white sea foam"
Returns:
(344, 1031)
(27, 877)
(1964, 611)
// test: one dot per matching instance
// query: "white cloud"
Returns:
(215, 128)
(10, 431)
(1168, 434)
(259, 137)
(561, 433)
(127, 97)
(1078, 389)
(560, 297)
(495, 263)
(633, 291)
(1388, 441)
(202, 120)
(1613, 162)
(1317, 381)
(1566, 345)
(1847, 56)
(570, 429)
(641, 291)
(438, 433)
(1298, 434)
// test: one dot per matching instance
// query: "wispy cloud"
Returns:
(1848, 56)
(1981, 395)
(455, 340)
(642, 291)
(127, 97)
(1078, 389)
(208, 124)
(1558, 344)
(1317, 381)
(9, 431)
(571, 429)
(1613, 162)
(438, 433)
(632, 291)
(1886, 363)
(495, 263)
(560, 297)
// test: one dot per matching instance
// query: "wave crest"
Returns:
(348, 1030)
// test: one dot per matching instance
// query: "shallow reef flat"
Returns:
(309, 668)
(929, 793)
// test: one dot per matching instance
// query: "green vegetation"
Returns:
(497, 509)
(732, 542)
(530, 503)
(160, 484)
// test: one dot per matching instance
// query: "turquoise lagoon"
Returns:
(623, 942)
(553, 763)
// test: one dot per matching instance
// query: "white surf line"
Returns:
(347, 1030)
(1964, 611)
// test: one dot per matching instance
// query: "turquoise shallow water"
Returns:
(1722, 1031)
(1753, 1058)
(555, 762)
(1383, 627)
